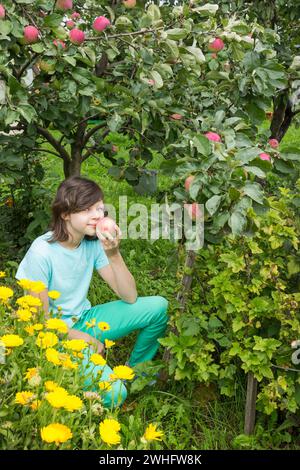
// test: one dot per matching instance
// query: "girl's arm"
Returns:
(72, 333)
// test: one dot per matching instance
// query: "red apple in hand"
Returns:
(106, 225)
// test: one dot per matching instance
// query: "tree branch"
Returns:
(55, 144)
(47, 151)
(135, 33)
(93, 148)
(91, 132)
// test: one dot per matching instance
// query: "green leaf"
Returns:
(53, 21)
(255, 171)
(237, 222)
(202, 144)
(176, 33)
(5, 27)
(27, 111)
(197, 53)
(247, 155)
(254, 191)
(213, 204)
(207, 9)
(157, 78)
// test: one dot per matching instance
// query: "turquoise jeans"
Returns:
(147, 314)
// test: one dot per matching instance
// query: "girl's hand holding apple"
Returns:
(109, 234)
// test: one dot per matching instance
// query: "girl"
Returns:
(64, 259)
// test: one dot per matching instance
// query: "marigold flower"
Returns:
(103, 326)
(151, 434)
(23, 314)
(25, 284)
(105, 386)
(53, 294)
(109, 431)
(57, 324)
(37, 286)
(11, 341)
(46, 340)
(97, 359)
(91, 324)
(73, 403)
(29, 301)
(50, 385)
(23, 398)
(29, 330)
(53, 356)
(108, 343)
(5, 293)
(31, 372)
(75, 344)
(57, 398)
(123, 373)
(35, 404)
(56, 432)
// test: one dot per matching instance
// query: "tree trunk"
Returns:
(282, 116)
(72, 167)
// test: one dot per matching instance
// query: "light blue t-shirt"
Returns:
(65, 270)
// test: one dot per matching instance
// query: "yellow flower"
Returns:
(35, 404)
(5, 293)
(73, 403)
(10, 341)
(98, 360)
(29, 301)
(23, 314)
(57, 398)
(53, 294)
(108, 343)
(23, 398)
(46, 340)
(53, 356)
(91, 324)
(56, 432)
(67, 363)
(105, 386)
(109, 431)
(37, 286)
(151, 434)
(25, 284)
(103, 326)
(2, 274)
(122, 373)
(75, 344)
(38, 326)
(57, 324)
(29, 330)
(50, 385)
(31, 372)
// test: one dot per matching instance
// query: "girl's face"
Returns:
(84, 222)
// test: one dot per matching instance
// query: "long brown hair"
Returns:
(73, 195)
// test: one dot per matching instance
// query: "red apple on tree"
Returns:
(101, 23)
(64, 4)
(193, 210)
(188, 182)
(77, 36)
(129, 3)
(31, 34)
(2, 12)
(216, 45)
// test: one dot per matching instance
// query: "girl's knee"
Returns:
(160, 304)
